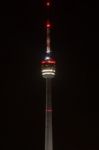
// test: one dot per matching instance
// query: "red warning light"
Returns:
(48, 3)
(48, 62)
(48, 25)
(48, 110)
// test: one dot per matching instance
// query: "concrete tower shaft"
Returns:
(48, 117)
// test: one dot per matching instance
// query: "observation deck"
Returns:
(48, 68)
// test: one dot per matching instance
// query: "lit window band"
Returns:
(48, 73)
(48, 70)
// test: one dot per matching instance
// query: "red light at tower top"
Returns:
(48, 4)
(48, 25)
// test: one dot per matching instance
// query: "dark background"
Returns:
(75, 87)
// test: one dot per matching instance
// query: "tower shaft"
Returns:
(48, 117)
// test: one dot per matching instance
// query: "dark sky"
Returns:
(75, 88)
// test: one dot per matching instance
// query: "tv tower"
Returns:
(48, 72)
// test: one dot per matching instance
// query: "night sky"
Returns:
(76, 85)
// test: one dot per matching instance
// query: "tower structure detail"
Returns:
(48, 72)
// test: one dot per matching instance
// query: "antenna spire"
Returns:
(48, 40)
(48, 28)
